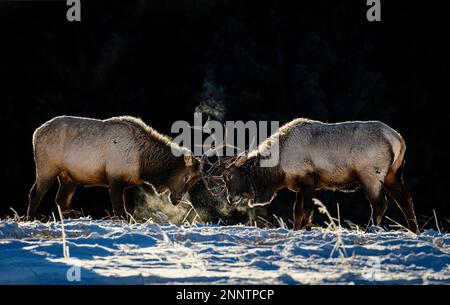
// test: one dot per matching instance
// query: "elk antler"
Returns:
(212, 172)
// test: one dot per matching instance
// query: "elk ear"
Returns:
(240, 160)
(189, 159)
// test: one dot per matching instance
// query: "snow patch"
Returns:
(108, 252)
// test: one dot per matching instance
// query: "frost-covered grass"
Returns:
(112, 252)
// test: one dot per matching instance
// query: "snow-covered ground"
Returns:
(108, 252)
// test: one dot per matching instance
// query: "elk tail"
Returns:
(398, 148)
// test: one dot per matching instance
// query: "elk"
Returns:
(119, 153)
(333, 156)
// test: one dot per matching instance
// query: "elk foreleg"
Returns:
(298, 211)
(308, 191)
(116, 191)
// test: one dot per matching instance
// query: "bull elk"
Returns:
(119, 153)
(315, 155)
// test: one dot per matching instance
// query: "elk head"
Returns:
(245, 178)
(183, 178)
(237, 180)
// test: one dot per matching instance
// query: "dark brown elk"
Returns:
(315, 155)
(119, 153)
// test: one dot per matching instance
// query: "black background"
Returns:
(326, 293)
(274, 60)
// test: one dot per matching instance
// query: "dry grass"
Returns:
(192, 217)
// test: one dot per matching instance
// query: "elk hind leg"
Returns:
(396, 188)
(373, 188)
(40, 187)
(65, 193)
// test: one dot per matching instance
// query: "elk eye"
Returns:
(186, 178)
(228, 176)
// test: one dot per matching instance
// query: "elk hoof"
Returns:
(297, 227)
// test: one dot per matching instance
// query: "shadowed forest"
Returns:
(233, 60)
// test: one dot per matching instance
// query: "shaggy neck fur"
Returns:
(157, 162)
(263, 178)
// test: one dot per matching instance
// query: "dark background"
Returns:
(258, 60)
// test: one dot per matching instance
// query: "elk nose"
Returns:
(174, 199)
(233, 199)
(161, 189)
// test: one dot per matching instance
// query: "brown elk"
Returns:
(119, 153)
(315, 155)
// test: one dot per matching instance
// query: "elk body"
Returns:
(118, 153)
(315, 155)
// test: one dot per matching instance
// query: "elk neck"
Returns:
(158, 162)
(264, 177)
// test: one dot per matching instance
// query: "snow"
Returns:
(109, 252)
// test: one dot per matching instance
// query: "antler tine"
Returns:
(209, 153)
(212, 177)
(216, 188)
(205, 156)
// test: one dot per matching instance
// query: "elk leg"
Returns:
(298, 211)
(374, 192)
(308, 190)
(116, 191)
(38, 190)
(397, 190)
(65, 193)
(128, 199)
(379, 206)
